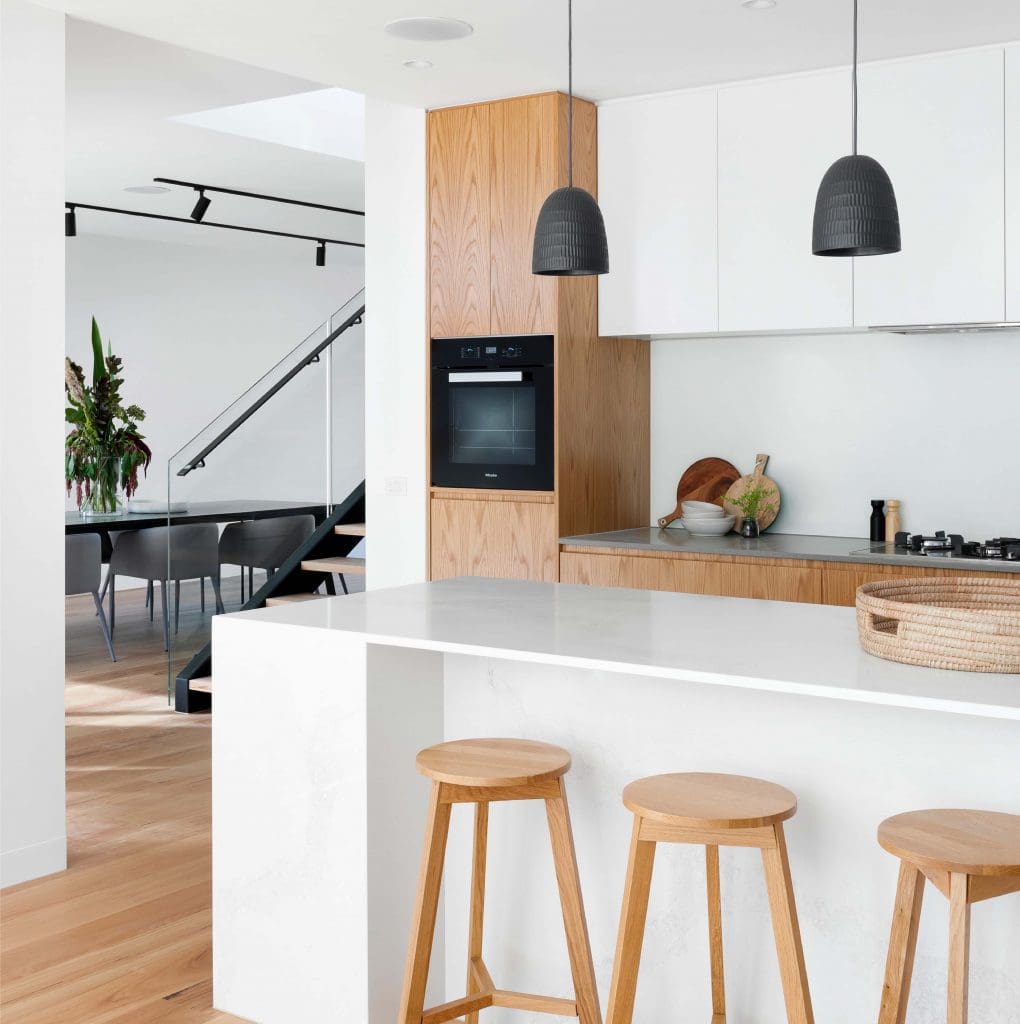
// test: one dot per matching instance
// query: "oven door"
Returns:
(493, 428)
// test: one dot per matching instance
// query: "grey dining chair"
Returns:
(263, 544)
(144, 555)
(83, 568)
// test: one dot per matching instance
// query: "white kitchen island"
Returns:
(321, 706)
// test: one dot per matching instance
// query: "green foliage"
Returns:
(752, 503)
(105, 448)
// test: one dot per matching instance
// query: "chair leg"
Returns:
(111, 579)
(330, 585)
(477, 902)
(201, 594)
(103, 624)
(779, 883)
(242, 584)
(632, 928)
(343, 583)
(715, 934)
(150, 601)
(251, 582)
(423, 923)
(177, 606)
(166, 617)
(574, 923)
(959, 948)
(899, 965)
(215, 581)
(102, 589)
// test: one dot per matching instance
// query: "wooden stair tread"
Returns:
(292, 598)
(203, 684)
(350, 529)
(335, 564)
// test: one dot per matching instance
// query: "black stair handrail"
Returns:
(198, 461)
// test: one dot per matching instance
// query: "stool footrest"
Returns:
(453, 1009)
(537, 1004)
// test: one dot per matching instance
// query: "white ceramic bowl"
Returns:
(704, 517)
(708, 527)
(690, 507)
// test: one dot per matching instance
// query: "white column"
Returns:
(395, 343)
(33, 838)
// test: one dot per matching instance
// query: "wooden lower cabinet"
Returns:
(511, 539)
(810, 582)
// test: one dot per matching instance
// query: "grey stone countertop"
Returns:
(780, 545)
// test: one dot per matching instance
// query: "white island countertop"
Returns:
(804, 649)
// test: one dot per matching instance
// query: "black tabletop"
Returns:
(198, 512)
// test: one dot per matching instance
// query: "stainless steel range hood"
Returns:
(979, 327)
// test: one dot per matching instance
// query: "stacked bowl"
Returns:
(703, 519)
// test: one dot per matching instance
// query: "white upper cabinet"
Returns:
(657, 190)
(936, 125)
(1013, 183)
(776, 140)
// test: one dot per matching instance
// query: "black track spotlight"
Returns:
(201, 205)
(320, 254)
(70, 223)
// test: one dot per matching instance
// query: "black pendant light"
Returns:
(856, 212)
(570, 235)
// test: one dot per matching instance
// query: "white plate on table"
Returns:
(144, 506)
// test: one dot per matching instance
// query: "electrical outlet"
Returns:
(396, 486)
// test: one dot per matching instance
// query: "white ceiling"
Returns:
(124, 93)
(621, 48)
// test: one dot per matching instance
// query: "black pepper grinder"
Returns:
(877, 520)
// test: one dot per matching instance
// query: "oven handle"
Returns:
(486, 377)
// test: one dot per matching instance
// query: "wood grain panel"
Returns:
(610, 571)
(523, 170)
(769, 582)
(505, 539)
(458, 193)
(840, 580)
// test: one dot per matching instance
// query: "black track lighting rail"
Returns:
(258, 195)
(71, 207)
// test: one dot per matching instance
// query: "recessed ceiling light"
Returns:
(418, 64)
(146, 190)
(758, 5)
(428, 30)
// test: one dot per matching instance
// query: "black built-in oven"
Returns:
(492, 412)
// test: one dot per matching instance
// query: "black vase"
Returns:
(749, 527)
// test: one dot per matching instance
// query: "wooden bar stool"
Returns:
(479, 772)
(710, 811)
(968, 856)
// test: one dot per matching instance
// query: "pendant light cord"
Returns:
(570, 93)
(854, 83)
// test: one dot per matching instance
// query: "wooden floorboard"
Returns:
(124, 935)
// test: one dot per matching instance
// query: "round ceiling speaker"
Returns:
(428, 30)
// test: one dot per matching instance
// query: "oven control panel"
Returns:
(467, 353)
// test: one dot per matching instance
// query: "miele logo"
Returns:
(492, 476)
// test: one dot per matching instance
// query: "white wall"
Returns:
(32, 828)
(395, 355)
(196, 326)
(932, 420)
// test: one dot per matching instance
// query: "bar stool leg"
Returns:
(715, 939)
(779, 884)
(899, 966)
(959, 948)
(475, 964)
(632, 928)
(426, 907)
(574, 922)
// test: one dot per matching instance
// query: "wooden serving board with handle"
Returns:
(744, 484)
(704, 480)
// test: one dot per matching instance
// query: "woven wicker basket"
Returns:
(968, 624)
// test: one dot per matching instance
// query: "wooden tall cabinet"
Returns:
(490, 168)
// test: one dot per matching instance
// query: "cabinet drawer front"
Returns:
(503, 539)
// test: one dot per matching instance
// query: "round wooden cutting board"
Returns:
(704, 480)
(765, 519)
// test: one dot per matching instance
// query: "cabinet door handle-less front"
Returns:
(487, 377)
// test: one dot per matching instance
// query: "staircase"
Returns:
(308, 570)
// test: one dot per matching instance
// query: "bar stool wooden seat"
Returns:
(968, 856)
(481, 771)
(709, 810)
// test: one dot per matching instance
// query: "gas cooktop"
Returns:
(952, 545)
